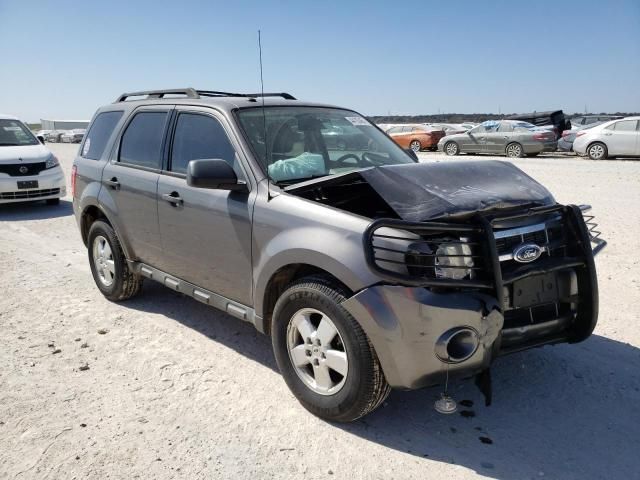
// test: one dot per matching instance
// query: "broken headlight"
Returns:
(448, 258)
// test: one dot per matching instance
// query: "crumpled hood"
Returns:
(28, 153)
(425, 191)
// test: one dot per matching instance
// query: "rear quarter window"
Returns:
(99, 133)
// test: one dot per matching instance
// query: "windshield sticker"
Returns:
(357, 121)
(12, 129)
(85, 147)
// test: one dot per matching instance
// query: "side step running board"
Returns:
(220, 302)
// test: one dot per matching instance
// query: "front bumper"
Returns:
(407, 319)
(405, 324)
(51, 184)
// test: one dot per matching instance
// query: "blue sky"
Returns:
(63, 59)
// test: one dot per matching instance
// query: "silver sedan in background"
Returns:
(512, 138)
(618, 138)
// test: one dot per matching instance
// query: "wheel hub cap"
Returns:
(317, 352)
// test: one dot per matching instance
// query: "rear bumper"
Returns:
(51, 184)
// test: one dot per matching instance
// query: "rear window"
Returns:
(99, 134)
(142, 141)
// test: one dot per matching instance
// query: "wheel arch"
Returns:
(90, 214)
(280, 280)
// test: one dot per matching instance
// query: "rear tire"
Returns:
(532, 154)
(108, 264)
(415, 145)
(303, 307)
(514, 150)
(597, 151)
(451, 148)
(53, 201)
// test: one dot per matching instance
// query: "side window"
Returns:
(198, 137)
(626, 126)
(99, 133)
(142, 140)
(505, 127)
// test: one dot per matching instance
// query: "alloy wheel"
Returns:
(317, 352)
(514, 150)
(103, 261)
(415, 146)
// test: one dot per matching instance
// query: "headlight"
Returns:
(453, 260)
(52, 161)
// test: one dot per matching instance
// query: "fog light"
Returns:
(453, 261)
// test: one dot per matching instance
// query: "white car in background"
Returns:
(616, 138)
(28, 170)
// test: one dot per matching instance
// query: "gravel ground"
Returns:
(164, 387)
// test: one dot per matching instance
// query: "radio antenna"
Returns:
(264, 119)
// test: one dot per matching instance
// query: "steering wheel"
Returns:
(341, 161)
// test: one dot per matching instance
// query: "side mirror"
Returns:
(412, 154)
(213, 173)
(41, 139)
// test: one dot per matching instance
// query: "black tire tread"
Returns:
(377, 389)
(131, 282)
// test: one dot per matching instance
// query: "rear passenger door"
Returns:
(206, 233)
(622, 138)
(130, 181)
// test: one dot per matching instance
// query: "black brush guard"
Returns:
(582, 238)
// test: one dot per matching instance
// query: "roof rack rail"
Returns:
(211, 93)
(193, 93)
(188, 92)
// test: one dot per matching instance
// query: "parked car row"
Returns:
(62, 136)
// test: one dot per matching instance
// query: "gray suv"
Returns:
(369, 270)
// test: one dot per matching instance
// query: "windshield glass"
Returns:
(309, 142)
(14, 133)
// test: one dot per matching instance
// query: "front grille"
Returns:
(550, 235)
(13, 169)
(27, 194)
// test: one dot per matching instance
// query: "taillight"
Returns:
(579, 134)
(566, 133)
(542, 136)
(74, 174)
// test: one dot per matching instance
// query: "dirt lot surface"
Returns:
(164, 387)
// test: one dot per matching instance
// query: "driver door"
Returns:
(206, 233)
(473, 141)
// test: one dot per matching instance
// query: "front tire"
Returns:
(108, 264)
(324, 355)
(597, 151)
(415, 145)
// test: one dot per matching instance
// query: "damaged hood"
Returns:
(424, 191)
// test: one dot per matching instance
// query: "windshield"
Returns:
(309, 142)
(14, 133)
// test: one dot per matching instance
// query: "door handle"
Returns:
(174, 198)
(113, 183)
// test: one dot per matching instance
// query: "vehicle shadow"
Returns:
(35, 210)
(568, 411)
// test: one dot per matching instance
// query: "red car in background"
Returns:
(416, 137)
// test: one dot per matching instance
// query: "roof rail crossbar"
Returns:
(188, 92)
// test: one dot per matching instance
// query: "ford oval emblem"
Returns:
(527, 252)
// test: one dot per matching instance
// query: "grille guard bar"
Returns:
(583, 231)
